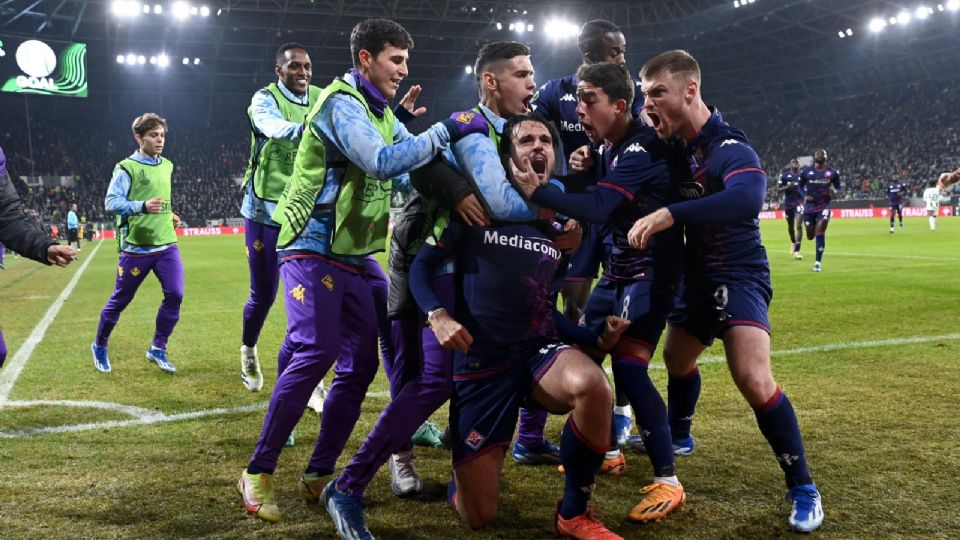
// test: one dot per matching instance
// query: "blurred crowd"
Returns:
(910, 134)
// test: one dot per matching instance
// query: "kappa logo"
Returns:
(729, 141)
(258, 245)
(635, 147)
(787, 459)
(120, 271)
(328, 282)
(299, 293)
(134, 271)
(465, 117)
(474, 439)
(568, 97)
(246, 249)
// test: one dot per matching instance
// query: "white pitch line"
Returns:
(138, 412)
(883, 256)
(12, 370)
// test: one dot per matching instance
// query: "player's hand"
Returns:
(524, 176)
(643, 230)
(472, 211)
(569, 240)
(808, 198)
(154, 205)
(612, 331)
(176, 220)
(450, 333)
(61, 255)
(581, 159)
(409, 101)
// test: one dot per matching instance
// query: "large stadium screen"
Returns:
(31, 66)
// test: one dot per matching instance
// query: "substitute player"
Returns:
(333, 213)
(789, 185)
(140, 195)
(509, 352)
(633, 180)
(895, 192)
(821, 184)
(726, 291)
(599, 41)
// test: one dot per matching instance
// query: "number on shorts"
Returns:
(625, 312)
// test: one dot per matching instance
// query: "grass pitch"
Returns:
(867, 351)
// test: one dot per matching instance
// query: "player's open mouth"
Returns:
(587, 129)
(396, 83)
(526, 102)
(655, 121)
(538, 162)
(302, 80)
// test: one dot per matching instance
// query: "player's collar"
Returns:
(287, 93)
(375, 99)
(492, 117)
(143, 158)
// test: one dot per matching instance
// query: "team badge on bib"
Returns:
(465, 117)
(134, 271)
(328, 282)
(258, 246)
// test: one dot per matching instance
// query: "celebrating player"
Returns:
(508, 351)
(140, 195)
(726, 291)
(333, 212)
(23, 236)
(600, 41)
(276, 118)
(633, 179)
(821, 184)
(792, 201)
(895, 192)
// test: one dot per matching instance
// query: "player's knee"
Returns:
(591, 385)
(756, 386)
(173, 297)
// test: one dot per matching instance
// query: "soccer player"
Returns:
(24, 236)
(73, 227)
(821, 184)
(276, 118)
(509, 351)
(726, 291)
(895, 192)
(792, 201)
(333, 213)
(633, 180)
(599, 41)
(140, 195)
(931, 196)
(505, 80)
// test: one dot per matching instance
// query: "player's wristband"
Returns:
(430, 315)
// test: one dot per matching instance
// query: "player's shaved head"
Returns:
(373, 36)
(494, 56)
(678, 63)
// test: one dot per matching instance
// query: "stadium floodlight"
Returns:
(157, 9)
(841, 34)
(126, 8)
(181, 10)
(560, 29)
(194, 11)
(204, 11)
(141, 59)
(131, 58)
(499, 26)
(468, 70)
(146, 9)
(163, 60)
(939, 7)
(121, 59)
(186, 61)
(153, 60)
(849, 31)
(511, 26)
(736, 3)
(520, 27)
(953, 5)
(196, 61)
(893, 20)
(529, 28)
(877, 24)
(922, 12)
(903, 17)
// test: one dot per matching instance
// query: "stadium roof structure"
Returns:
(753, 52)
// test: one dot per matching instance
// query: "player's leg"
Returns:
(3, 349)
(477, 488)
(798, 224)
(680, 354)
(893, 210)
(261, 248)
(789, 214)
(748, 355)
(821, 237)
(932, 219)
(810, 223)
(900, 215)
(574, 382)
(411, 405)
(168, 268)
(315, 347)
(129, 277)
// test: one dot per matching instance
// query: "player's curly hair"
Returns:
(373, 36)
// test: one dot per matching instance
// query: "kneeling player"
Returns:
(510, 354)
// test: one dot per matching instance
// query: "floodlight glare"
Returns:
(953, 5)
(204, 11)
(141, 59)
(196, 61)
(186, 61)
(499, 26)
(163, 60)
(849, 31)
(520, 27)
(468, 69)
(841, 34)
(877, 24)
(146, 9)
(121, 59)
(903, 17)
(922, 12)
(153, 59)
(157, 9)
(181, 10)
(131, 59)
